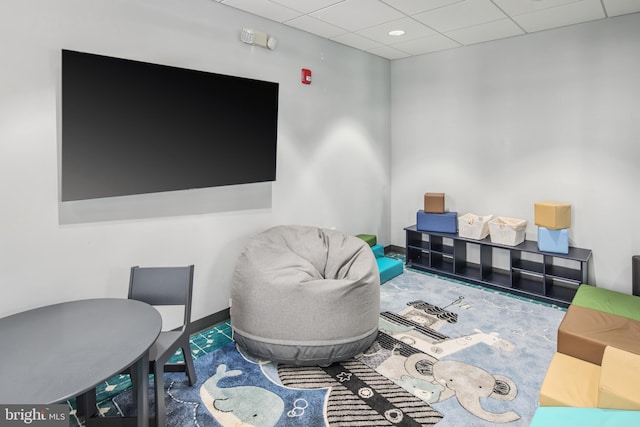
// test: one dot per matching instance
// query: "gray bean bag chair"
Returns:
(305, 296)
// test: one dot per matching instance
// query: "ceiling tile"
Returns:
(354, 15)
(426, 44)
(264, 8)
(485, 32)
(568, 14)
(430, 25)
(388, 52)
(306, 6)
(354, 40)
(621, 7)
(460, 15)
(520, 7)
(315, 26)
(412, 28)
(411, 7)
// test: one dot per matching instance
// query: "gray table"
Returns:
(54, 353)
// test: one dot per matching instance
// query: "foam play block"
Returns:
(556, 241)
(584, 333)
(378, 250)
(619, 380)
(371, 239)
(434, 202)
(554, 416)
(608, 301)
(570, 382)
(389, 268)
(553, 215)
(443, 223)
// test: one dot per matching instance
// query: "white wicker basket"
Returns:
(507, 231)
(472, 226)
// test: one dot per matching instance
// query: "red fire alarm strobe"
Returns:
(306, 76)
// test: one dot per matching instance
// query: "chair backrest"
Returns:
(163, 286)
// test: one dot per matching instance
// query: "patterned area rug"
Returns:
(447, 354)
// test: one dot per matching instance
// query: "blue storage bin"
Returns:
(556, 241)
(443, 223)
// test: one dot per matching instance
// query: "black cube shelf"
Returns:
(527, 271)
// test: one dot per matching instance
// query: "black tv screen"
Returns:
(131, 127)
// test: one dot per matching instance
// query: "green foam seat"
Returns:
(371, 239)
(608, 301)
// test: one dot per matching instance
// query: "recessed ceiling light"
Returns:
(396, 33)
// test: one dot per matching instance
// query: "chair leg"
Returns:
(158, 385)
(189, 368)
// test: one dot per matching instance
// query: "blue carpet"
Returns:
(470, 356)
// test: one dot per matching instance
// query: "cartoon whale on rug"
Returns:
(240, 405)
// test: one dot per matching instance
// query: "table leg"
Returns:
(86, 404)
(142, 380)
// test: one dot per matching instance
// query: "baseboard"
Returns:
(394, 249)
(209, 321)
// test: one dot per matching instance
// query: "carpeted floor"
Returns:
(462, 355)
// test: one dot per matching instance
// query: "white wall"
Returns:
(333, 149)
(498, 126)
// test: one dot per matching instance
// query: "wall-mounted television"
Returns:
(131, 127)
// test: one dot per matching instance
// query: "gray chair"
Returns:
(159, 286)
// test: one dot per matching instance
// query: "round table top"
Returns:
(53, 353)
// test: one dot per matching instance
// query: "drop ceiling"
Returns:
(428, 25)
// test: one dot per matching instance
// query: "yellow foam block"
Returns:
(619, 380)
(570, 382)
(552, 215)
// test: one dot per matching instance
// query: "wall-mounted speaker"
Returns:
(257, 38)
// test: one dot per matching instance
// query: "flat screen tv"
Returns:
(131, 127)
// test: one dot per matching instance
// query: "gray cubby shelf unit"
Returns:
(545, 276)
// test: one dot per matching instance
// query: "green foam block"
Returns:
(371, 239)
(608, 301)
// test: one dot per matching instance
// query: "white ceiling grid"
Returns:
(429, 25)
